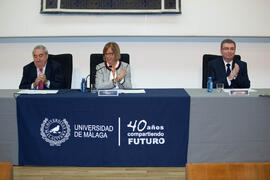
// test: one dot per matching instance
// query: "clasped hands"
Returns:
(41, 77)
(234, 72)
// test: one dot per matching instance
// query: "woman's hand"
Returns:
(120, 75)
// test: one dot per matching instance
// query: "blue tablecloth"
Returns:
(83, 129)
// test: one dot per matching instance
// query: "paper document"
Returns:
(29, 91)
(229, 90)
(131, 91)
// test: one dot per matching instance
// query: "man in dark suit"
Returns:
(42, 73)
(232, 73)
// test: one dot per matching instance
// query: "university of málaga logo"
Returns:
(55, 131)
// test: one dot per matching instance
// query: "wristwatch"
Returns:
(114, 84)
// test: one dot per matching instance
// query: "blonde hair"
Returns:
(115, 48)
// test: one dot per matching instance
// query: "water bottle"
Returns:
(83, 85)
(209, 84)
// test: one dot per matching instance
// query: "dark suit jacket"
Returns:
(53, 73)
(216, 70)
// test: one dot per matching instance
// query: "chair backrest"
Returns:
(206, 59)
(66, 62)
(96, 59)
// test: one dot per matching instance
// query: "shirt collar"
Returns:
(43, 69)
(118, 64)
(227, 62)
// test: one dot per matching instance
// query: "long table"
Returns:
(8, 127)
(83, 129)
(222, 128)
(226, 128)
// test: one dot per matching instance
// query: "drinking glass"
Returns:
(219, 87)
(93, 88)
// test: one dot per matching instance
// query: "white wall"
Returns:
(155, 62)
(165, 50)
(199, 18)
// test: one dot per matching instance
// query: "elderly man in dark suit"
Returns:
(42, 73)
(232, 73)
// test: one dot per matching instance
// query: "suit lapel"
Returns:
(222, 67)
(233, 64)
(48, 69)
(33, 72)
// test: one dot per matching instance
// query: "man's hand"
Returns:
(234, 72)
(41, 77)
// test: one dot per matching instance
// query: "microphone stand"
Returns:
(89, 76)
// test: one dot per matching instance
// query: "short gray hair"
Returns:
(40, 47)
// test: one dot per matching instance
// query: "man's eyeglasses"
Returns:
(227, 49)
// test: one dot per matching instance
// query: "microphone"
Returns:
(86, 82)
(89, 75)
(100, 68)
